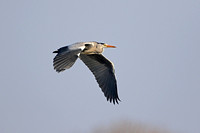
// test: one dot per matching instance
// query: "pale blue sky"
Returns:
(156, 63)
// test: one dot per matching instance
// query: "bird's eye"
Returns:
(87, 45)
(101, 43)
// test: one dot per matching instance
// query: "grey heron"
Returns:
(91, 54)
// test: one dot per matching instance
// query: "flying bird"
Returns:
(91, 54)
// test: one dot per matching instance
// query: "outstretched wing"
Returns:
(103, 71)
(65, 58)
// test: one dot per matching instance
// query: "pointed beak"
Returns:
(110, 46)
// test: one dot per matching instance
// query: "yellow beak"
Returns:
(110, 46)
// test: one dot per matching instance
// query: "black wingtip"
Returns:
(117, 100)
(114, 100)
(55, 51)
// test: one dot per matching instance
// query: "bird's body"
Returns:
(90, 54)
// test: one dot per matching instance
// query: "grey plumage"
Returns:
(65, 59)
(90, 54)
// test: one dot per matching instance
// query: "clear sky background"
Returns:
(157, 64)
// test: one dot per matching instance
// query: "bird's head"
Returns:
(104, 45)
(95, 47)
